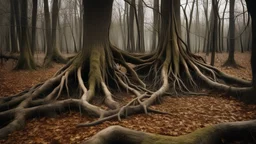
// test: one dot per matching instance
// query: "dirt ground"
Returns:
(186, 113)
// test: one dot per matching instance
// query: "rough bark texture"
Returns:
(250, 7)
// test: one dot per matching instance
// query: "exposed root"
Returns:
(231, 132)
(96, 77)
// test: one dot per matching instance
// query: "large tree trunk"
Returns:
(26, 60)
(250, 7)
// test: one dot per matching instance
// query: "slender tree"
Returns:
(231, 56)
(214, 30)
(26, 60)
(156, 18)
(34, 20)
(53, 53)
(141, 47)
(14, 45)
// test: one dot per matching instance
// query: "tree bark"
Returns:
(53, 53)
(14, 46)
(141, 47)
(34, 20)
(156, 18)
(131, 27)
(214, 30)
(231, 56)
(250, 7)
(26, 60)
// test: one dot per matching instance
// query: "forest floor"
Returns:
(188, 113)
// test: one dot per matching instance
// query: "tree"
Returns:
(95, 71)
(231, 56)
(14, 44)
(26, 60)
(140, 41)
(53, 53)
(215, 13)
(34, 19)
(156, 19)
(131, 17)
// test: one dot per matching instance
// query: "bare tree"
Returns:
(26, 60)
(231, 57)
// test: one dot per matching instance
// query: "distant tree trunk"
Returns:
(17, 19)
(231, 58)
(222, 30)
(197, 39)
(14, 45)
(34, 19)
(64, 33)
(26, 60)
(48, 27)
(53, 53)
(131, 26)
(214, 30)
(206, 40)
(141, 43)
(189, 25)
(122, 26)
(156, 19)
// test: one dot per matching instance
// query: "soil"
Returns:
(187, 113)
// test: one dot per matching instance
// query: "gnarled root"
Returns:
(226, 132)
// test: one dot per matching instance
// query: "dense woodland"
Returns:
(145, 48)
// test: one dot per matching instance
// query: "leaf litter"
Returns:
(187, 113)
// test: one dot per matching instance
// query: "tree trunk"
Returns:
(214, 30)
(141, 47)
(34, 19)
(131, 26)
(222, 30)
(18, 20)
(231, 56)
(14, 38)
(26, 60)
(250, 7)
(156, 18)
(53, 53)
(189, 25)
